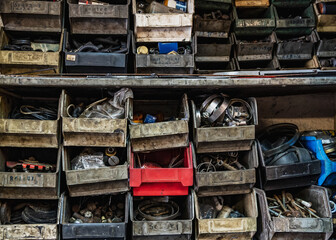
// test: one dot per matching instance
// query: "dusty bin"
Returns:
(325, 22)
(163, 27)
(32, 16)
(326, 52)
(164, 63)
(287, 176)
(256, 52)
(46, 59)
(227, 182)
(27, 132)
(94, 181)
(296, 228)
(40, 184)
(27, 227)
(253, 21)
(224, 139)
(252, 3)
(168, 133)
(229, 228)
(180, 227)
(116, 230)
(108, 19)
(213, 54)
(98, 132)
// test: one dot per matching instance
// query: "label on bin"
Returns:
(27, 6)
(26, 180)
(71, 58)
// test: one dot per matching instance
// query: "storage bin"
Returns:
(326, 52)
(179, 228)
(94, 132)
(29, 62)
(291, 3)
(96, 62)
(213, 54)
(163, 27)
(229, 228)
(161, 179)
(287, 176)
(110, 19)
(253, 21)
(164, 134)
(294, 21)
(252, 3)
(32, 16)
(325, 22)
(30, 185)
(224, 139)
(27, 132)
(102, 231)
(296, 228)
(43, 230)
(164, 63)
(95, 181)
(227, 182)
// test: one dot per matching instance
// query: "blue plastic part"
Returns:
(328, 167)
(165, 48)
(150, 119)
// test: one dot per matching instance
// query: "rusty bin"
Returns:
(252, 3)
(256, 53)
(98, 132)
(224, 139)
(95, 181)
(227, 182)
(297, 52)
(32, 16)
(30, 62)
(27, 132)
(179, 228)
(229, 228)
(294, 21)
(325, 22)
(163, 27)
(30, 185)
(169, 133)
(292, 228)
(114, 230)
(95, 62)
(111, 19)
(164, 63)
(213, 54)
(43, 230)
(288, 176)
(253, 21)
(326, 52)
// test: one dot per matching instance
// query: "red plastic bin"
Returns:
(162, 181)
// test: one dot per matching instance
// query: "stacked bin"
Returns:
(234, 187)
(295, 24)
(154, 177)
(163, 41)
(99, 39)
(22, 138)
(255, 40)
(98, 186)
(213, 37)
(31, 40)
(327, 34)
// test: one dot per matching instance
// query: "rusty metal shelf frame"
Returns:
(196, 82)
